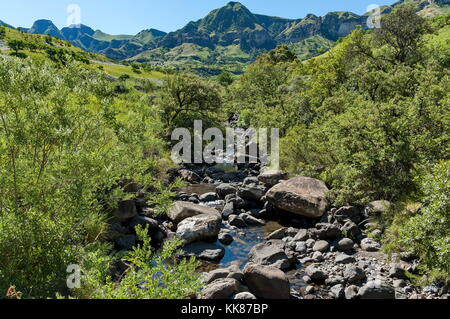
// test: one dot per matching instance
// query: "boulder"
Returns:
(272, 177)
(350, 229)
(376, 208)
(183, 210)
(222, 288)
(354, 274)
(321, 246)
(125, 210)
(301, 195)
(270, 253)
(348, 212)
(200, 227)
(228, 210)
(225, 189)
(237, 221)
(302, 235)
(208, 197)
(327, 231)
(204, 251)
(370, 245)
(376, 290)
(226, 239)
(345, 244)
(316, 273)
(266, 282)
(208, 278)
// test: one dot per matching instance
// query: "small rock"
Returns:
(351, 292)
(316, 273)
(125, 210)
(301, 247)
(354, 274)
(244, 296)
(204, 251)
(270, 253)
(209, 197)
(345, 244)
(250, 220)
(318, 257)
(344, 259)
(338, 291)
(225, 238)
(370, 245)
(237, 221)
(302, 235)
(321, 246)
(309, 290)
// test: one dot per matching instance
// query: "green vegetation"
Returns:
(370, 118)
(68, 135)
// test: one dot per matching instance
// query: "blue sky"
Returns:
(132, 16)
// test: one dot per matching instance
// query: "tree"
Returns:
(186, 97)
(402, 30)
(225, 79)
(16, 45)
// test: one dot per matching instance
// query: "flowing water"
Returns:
(244, 240)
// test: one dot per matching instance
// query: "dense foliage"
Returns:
(67, 138)
(370, 118)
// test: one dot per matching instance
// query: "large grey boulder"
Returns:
(266, 282)
(304, 196)
(251, 189)
(182, 210)
(200, 227)
(272, 177)
(376, 289)
(270, 253)
(225, 189)
(222, 288)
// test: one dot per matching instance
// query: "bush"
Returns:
(150, 276)
(426, 232)
(65, 142)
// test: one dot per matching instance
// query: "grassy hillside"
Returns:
(43, 47)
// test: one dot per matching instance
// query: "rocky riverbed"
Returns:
(265, 235)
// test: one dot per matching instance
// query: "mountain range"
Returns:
(228, 35)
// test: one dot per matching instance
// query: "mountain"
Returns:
(227, 37)
(4, 24)
(46, 27)
(117, 47)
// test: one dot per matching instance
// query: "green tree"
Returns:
(185, 98)
(402, 31)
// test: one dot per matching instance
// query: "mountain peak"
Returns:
(44, 26)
